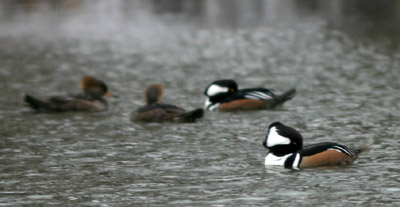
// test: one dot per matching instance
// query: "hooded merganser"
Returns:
(286, 149)
(90, 99)
(224, 95)
(155, 111)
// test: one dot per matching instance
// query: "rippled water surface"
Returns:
(348, 91)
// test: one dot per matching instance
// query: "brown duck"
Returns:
(155, 111)
(90, 99)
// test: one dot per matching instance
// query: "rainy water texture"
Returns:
(342, 57)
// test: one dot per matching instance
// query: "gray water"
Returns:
(348, 92)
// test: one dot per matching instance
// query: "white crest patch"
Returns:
(216, 89)
(274, 138)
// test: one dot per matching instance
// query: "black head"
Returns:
(219, 91)
(220, 88)
(282, 139)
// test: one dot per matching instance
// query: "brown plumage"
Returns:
(155, 111)
(90, 99)
(154, 94)
(243, 105)
(327, 158)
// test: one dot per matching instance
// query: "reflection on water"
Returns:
(347, 92)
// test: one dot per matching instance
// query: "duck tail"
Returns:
(35, 103)
(191, 116)
(284, 97)
(361, 149)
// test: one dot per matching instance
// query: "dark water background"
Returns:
(342, 56)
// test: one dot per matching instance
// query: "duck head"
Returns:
(219, 90)
(154, 94)
(94, 86)
(282, 140)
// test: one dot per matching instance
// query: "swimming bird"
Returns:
(155, 111)
(286, 149)
(224, 95)
(90, 99)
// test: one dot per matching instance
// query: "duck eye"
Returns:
(232, 90)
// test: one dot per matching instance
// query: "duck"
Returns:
(90, 99)
(156, 111)
(285, 145)
(224, 95)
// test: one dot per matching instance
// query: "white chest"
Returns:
(271, 159)
(210, 106)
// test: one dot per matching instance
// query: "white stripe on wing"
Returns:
(257, 95)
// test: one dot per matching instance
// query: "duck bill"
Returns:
(108, 94)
